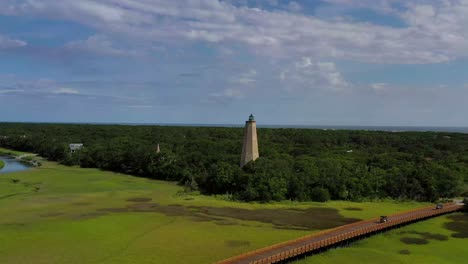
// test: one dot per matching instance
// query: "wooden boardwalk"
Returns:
(327, 238)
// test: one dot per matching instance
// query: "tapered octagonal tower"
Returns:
(158, 149)
(250, 145)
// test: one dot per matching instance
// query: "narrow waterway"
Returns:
(13, 165)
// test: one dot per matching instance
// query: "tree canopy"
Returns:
(296, 164)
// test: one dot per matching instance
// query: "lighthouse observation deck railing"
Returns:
(324, 239)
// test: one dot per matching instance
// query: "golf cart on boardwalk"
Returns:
(439, 206)
(383, 219)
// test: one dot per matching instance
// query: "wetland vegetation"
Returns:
(295, 164)
(62, 214)
(439, 240)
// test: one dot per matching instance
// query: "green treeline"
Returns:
(2, 164)
(296, 164)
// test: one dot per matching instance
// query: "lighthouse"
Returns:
(158, 149)
(250, 144)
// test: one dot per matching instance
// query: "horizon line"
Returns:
(233, 124)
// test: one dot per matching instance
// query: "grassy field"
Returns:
(9, 152)
(59, 214)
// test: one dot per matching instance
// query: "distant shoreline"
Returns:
(322, 127)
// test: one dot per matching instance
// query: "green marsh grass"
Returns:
(432, 241)
(59, 214)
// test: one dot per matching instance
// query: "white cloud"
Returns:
(11, 85)
(308, 74)
(6, 42)
(64, 90)
(10, 91)
(225, 96)
(225, 52)
(379, 86)
(384, 6)
(246, 78)
(237, 87)
(231, 93)
(435, 30)
(98, 44)
(40, 87)
(294, 6)
(140, 106)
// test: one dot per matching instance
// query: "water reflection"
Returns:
(12, 165)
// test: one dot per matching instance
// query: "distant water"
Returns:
(366, 128)
(323, 127)
(381, 128)
(12, 165)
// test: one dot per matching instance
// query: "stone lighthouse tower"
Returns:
(250, 146)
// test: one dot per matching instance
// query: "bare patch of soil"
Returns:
(225, 222)
(353, 209)
(143, 207)
(404, 252)
(81, 203)
(114, 210)
(51, 214)
(297, 219)
(414, 241)
(428, 236)
(311, 218)
(87, 216)
(139, 200)
(459, 225)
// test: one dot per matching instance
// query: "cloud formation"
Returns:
(97, 44)
(6, 42)
(246, 78)
(206, 59)
(11, 85)
(63, 90)
(435, 30)
(378, 87)
(307, 74)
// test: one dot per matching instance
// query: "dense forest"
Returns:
(295, 164)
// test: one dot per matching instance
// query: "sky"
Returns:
(302, 62)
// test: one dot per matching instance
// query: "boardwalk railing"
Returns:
(327, 238)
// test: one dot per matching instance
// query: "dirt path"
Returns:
(24, 156)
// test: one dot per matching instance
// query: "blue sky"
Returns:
(324, 62)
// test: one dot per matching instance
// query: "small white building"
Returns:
(75, 147)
